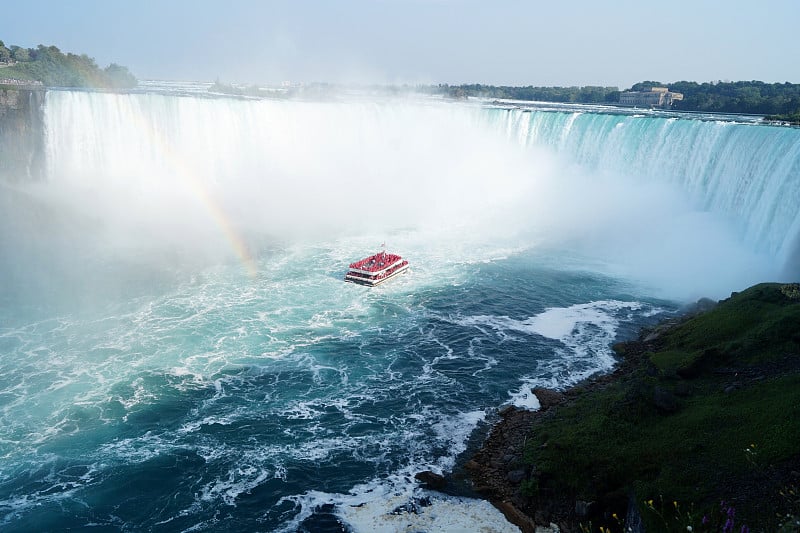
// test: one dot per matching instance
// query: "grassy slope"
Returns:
(16, 72)
(729, 423)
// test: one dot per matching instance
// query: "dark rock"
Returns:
(517, 517)
(541, 517)
(431, 480)
(664, 400)
(472, 464)
(507, 410)
(22, 150)
(515, 476)
(548, 397)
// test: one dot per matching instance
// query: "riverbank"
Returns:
(701, 410)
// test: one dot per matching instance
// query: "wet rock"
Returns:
(515, 516)
(431, 480)
(472, 464)
(507, 410)
(515, 476)
(548, 397)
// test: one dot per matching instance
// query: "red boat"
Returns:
(376, 269)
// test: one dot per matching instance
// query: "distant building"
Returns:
(655, 97)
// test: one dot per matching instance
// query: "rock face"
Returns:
(497, 470)
(21, 133)
(548, 398)
(431, 480)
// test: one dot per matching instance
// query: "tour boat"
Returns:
(376, 269)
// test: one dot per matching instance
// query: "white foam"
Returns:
(240, 480)
(454, 431)
(440, 514)
(524, 398)
(398, 504)
(585, 332)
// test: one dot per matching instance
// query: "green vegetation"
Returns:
(709, 411)
(581, 95)
(778, 101)
(53, 68)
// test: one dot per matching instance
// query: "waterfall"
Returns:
(747, 172)
(263, 161)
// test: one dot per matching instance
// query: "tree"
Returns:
(119, 76)
(5, 53)
(20, 54)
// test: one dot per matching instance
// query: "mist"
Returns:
(162, 183)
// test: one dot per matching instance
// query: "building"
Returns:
(655, 97)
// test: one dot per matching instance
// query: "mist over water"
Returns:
(690, 208)
(178, 350)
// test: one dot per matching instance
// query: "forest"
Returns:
(778, 100)
(775, 101)
(53, 68)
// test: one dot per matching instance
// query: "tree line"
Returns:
(54, 68)
(779, 101)
(588, 94)
(774, 100)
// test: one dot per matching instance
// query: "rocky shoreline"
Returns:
(498, 471)
(678, 418)
(499, 474)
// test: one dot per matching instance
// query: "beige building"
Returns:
(655, 97)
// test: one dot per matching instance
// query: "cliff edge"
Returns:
(697, 426)
(21, 133)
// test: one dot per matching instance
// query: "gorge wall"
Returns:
(21, 133)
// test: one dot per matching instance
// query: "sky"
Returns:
(502, 42)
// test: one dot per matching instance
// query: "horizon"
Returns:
(422, 42)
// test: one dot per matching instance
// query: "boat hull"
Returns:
(372, 281)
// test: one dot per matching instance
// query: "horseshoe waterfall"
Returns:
(178, 350)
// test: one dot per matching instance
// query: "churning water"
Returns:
(178, 351)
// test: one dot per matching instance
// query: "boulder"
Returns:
(431, 480)
(515, 476)
(547, 397)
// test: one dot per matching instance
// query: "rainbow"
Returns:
(183, 171)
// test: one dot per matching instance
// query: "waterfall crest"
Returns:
(747, 172)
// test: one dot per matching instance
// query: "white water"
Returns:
(746, 172)
(688, 208)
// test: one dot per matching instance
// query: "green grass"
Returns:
(16, 73)
(610, 442)
(751, 326)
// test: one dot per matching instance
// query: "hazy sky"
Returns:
(573, 42)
